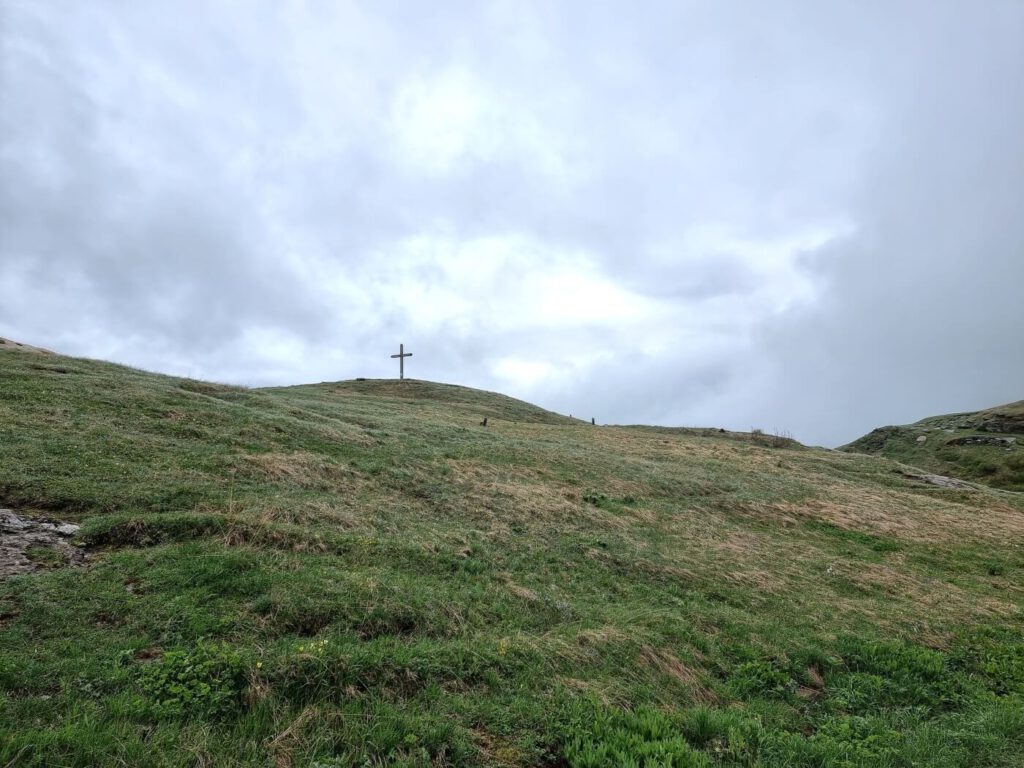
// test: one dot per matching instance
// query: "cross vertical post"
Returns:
(402, 354)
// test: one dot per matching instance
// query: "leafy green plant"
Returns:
(645, 738)
(760, 678)
(207, 680)
(880, 675)
(848, 742)
(996, 658)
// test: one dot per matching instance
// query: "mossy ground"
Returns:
(360, 574)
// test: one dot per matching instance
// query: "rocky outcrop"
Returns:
(1003, 423)
(1000, 442)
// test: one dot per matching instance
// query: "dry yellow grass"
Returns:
(669, 664)
(301, 468)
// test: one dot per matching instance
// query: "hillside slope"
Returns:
(984, 446)
(410, 392)
(360, 574)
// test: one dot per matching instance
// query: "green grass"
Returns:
(358, 573)
(45, 557)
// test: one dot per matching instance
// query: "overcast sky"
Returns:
(797, 216)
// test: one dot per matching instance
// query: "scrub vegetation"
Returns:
(360, 574)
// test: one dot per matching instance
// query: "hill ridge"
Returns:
(985, 446)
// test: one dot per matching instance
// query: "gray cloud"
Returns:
(794, 215)
(922, 310)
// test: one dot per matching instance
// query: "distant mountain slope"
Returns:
(986, 446)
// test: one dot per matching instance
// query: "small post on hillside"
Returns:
(402, 354)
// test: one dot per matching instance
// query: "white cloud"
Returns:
(524, 374)
(452, 120)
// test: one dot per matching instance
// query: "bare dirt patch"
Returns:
(28, 545)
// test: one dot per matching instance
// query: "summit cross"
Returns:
(402, 354)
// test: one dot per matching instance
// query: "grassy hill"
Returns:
(986, 446)
(360, 574)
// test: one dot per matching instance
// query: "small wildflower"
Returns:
(259, 665)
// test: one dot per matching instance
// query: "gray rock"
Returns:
(945, 482)
(1002, 442)
(20, 534)
(940, 480)
(11, 523)
(64, 529)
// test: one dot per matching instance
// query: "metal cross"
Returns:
(402, 354)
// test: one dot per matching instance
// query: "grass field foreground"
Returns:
(360, 574)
